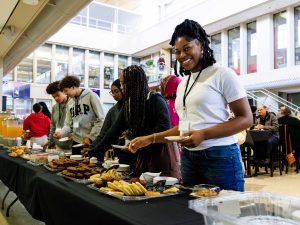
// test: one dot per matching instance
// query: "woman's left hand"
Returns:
(194, 139)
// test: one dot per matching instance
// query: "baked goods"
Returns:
(133, 189)
(205, 192)
(17, 151)
(171, 190)
(152, 193)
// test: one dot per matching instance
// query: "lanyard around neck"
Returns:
(186, 91)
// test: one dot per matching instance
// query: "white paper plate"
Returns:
(78, 145)
(63, 139)
(169, 180)
(176, 138)
(120, 146)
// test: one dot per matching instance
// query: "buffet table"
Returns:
(56, 201)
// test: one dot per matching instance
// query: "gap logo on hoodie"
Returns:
(76, 110)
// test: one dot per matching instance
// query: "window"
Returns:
(251, 47)
(9, 103)
(94, 69)
(101, 17)
(297, 36)
(44, 57)
(234, 49)
(216, 47)
(79, 64)
(80, 18)
(23, 107)
(122, 63)
(280, 40)
(9, 76)
(25, 70)
(62, 62)
(135, 61)
(108, 70)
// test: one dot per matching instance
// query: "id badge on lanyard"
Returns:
(76, 122)
(184, 123)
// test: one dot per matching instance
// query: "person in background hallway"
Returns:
(85, 114)
(280, 111)
(168, 88)
(210, 153)
(268, 121)
(38, 125)
(59, 111)
(45, 109)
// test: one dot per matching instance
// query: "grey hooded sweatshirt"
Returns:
(58, 117)
(85, 116)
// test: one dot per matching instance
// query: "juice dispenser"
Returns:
(3, 116)
(14, 129)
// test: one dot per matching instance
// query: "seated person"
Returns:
(268, 121)
(294, 128)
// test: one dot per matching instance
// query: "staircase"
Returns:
(271, 100)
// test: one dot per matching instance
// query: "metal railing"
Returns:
(271, 100)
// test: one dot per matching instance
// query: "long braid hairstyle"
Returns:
(191, 30)
(136, 91)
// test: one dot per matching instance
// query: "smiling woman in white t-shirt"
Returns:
(210, 153)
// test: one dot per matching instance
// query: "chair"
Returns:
(289, 136)
(294, 133)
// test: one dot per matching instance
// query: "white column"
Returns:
(265, 43)
(53, 70)
(86, 68)
(224, 48)
(243, 49)
(15, 72)
(129, 61)
(290, 37)
(116, 65)
(34, 67)
(101, 71)
(70, 68)
(1, 81)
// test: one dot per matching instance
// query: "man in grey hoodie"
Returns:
(58, 116)
(85, 114)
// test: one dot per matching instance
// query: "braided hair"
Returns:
(191, 30)
(135, 93)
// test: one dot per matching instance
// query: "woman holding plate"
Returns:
(210, 153)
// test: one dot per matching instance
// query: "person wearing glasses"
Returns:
(111, 117)
(144, 112)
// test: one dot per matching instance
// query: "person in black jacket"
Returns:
(294, 128)
(111, 117)
(143, 113)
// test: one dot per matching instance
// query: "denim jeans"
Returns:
(218, 165)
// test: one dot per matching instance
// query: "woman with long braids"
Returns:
(143, 113)
(210, 153)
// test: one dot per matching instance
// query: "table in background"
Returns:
(252, 137)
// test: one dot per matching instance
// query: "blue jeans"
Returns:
(218, 165)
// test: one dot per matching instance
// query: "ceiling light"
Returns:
(9, 32)
(31, 2)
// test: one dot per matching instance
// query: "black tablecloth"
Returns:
(57, 201)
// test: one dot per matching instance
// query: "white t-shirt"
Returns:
(207, 102)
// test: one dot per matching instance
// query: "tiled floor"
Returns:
(287, 184)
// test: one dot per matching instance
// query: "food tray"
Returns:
(249, 208)
(34, 164)
(50, 169)
(81, 181)
(132, 198)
